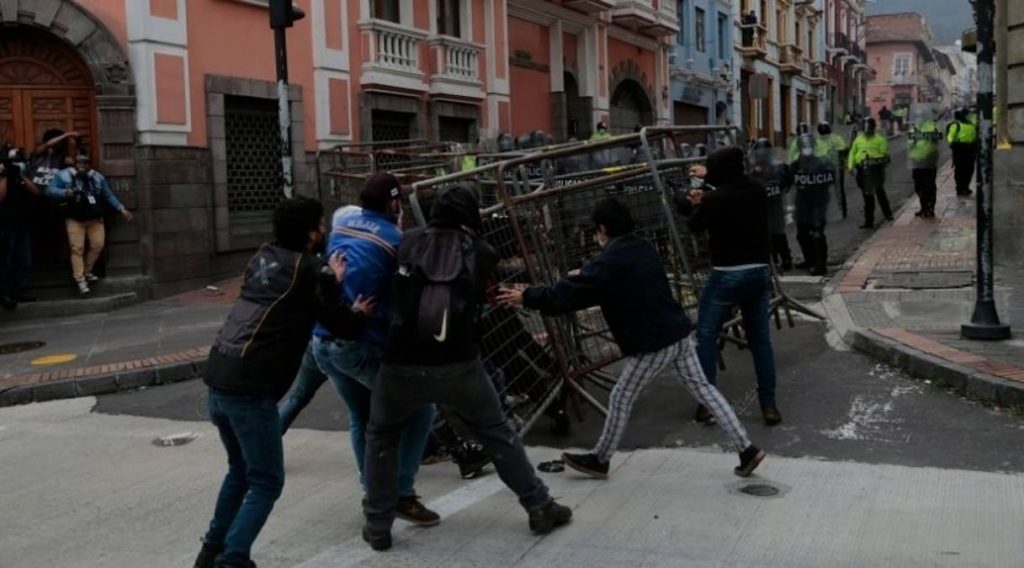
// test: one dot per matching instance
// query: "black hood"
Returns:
(725, 166)
(456, 207)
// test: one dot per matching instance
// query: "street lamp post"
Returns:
(985, 322)
(284, 14)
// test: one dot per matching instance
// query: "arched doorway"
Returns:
(630, 107)
(44, 84)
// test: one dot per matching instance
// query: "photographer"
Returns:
(735, 215)
(16, 195)
(82, 188)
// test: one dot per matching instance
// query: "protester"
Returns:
(769, 170)
(628, 281)
(15, 227)
(600, 132)
(733, 209)
(962, 136)
(83, 190)
(813, 175)
(285, 289)
(369, 238)
(432, 356)
(923, 154)
(869, 156)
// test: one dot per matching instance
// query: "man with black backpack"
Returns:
(84, 190)
(628, 281)
(432, 355)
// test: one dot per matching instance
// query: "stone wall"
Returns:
(1009, 190)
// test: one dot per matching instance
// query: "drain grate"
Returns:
(20, 347)
(760, 490)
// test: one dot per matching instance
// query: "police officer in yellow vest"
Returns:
(962, 136)
(923, 155)
(869, 156)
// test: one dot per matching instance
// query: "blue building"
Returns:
(702, 65)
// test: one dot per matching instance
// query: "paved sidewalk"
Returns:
(911, 286)
(151, 343)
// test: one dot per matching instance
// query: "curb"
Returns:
(129, 379)
(973, 384)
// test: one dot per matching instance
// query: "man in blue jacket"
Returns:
(628, 281)
(368, 239)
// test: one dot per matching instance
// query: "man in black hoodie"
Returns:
(285, 290)
(628, 281)
(432, 355)
(733, 209)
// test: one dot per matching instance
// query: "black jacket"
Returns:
(260, 347)
(735, 214)
(627, 280)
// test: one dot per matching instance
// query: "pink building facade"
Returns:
(177, 99)
(899, 49)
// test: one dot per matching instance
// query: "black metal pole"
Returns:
(985, 322)
(284, 112)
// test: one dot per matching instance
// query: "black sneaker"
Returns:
(548, 517)
(8, 303)
(704, 416)
(207, 556)
(750, 458)
(588, 464)
(379, 539)
(473, 464)
(804, 265)
(772, 416)
(412, 510)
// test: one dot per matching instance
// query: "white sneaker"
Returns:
(90, 277)
(83, 288)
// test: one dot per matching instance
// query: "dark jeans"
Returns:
(353, 367)
(251, 433)
(963, 165)
(465, 389)
(926, 188)
(871, 180)
(15, 261)
(751, 291)
(307, 382)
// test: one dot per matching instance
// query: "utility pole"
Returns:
(283, 15)
(985, 322)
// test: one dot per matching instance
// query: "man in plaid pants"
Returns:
(628, 281)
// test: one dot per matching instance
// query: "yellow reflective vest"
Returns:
(864, 148)
(962, 133)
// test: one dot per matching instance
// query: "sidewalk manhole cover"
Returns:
(760, 490)
(20, 347)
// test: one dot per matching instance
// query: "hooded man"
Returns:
(432, 356)
(735, 214)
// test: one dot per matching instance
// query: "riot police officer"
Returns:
(869, 156)
(923, 156)
(962, 136)
(812, 176)
(769, 170)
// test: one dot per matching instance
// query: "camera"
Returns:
(17, 159)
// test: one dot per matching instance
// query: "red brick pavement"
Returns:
(942, 351)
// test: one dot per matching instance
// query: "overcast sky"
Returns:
(948, 18)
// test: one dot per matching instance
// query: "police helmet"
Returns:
(702, 150)
(762, 144)
(824, 128)
(803, 128)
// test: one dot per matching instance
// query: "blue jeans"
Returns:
(307, 382)
(751, 291)
(15, 261)
(251, 434)
(352, 368)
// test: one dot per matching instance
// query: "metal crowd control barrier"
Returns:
(539, 224)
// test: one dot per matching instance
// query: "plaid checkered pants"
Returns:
(637, 374)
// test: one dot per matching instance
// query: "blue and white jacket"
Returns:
(369, 240)
(66, 179)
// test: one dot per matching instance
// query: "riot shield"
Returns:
(768, 166)
(816, 163)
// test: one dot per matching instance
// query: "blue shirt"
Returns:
(68, 179)
(369, 240)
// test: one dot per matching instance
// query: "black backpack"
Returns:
(436, 290)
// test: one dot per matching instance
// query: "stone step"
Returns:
(59, 308)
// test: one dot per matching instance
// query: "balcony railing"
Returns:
(394, 53)
(456, 67)
(791, 59)
(636, 14)
(819, 73)
(905, 79)
(754, 41)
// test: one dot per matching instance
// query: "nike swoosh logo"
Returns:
(444, 328)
